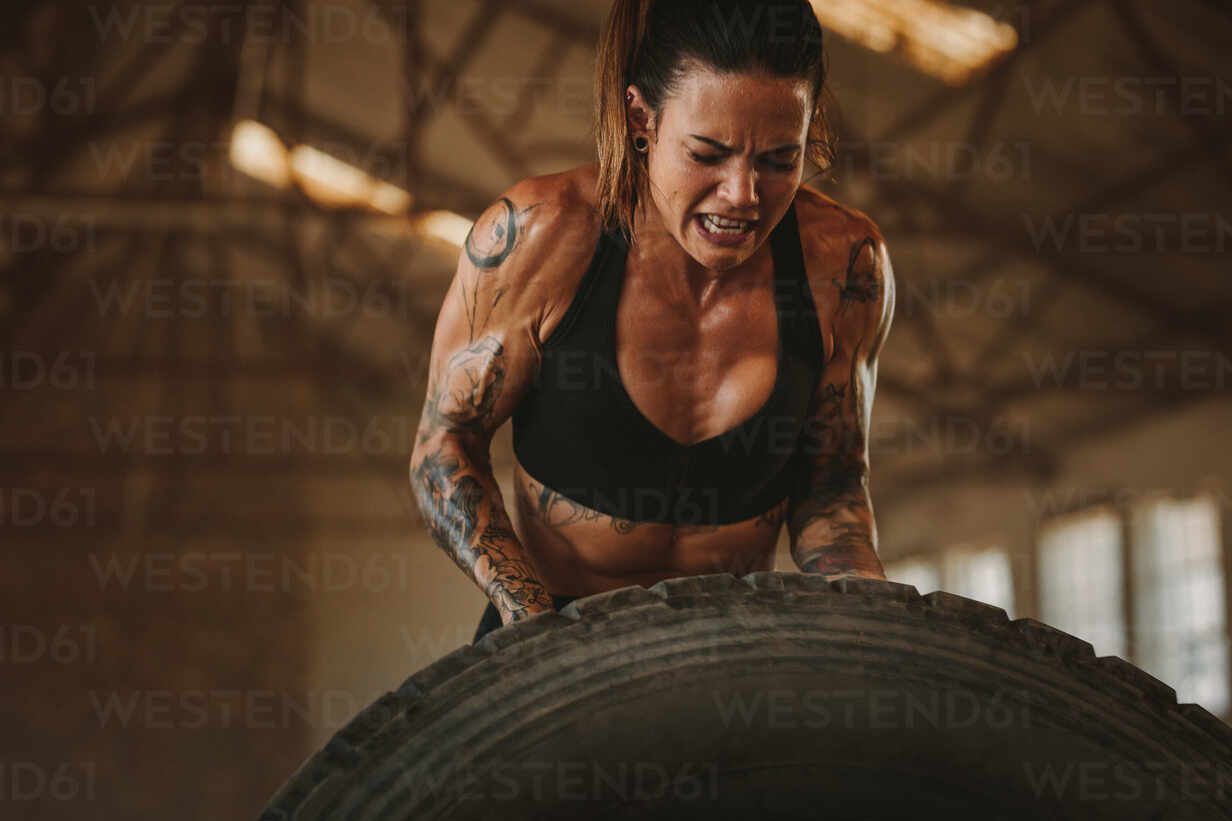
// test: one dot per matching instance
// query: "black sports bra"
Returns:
(577, 431)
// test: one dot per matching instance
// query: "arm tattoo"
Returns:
(473, 380)
(495, 234)
(492, 240)
(515, 583)
(831, 503)
(847, 552)
(840, 537)
(830, 453)
(830, 515)
(450, 497)
(459, 503)
(450, 505)
(831, 397)
(861, 284)
(829, 491)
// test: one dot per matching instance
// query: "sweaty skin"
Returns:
(696, 337)
(696, 363)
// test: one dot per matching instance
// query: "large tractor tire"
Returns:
(778, 695)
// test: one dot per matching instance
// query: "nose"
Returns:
(739, 185)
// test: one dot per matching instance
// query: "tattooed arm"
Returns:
(484, 353)
(830, 516)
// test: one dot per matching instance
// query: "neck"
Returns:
(682, 277)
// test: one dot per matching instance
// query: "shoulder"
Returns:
(830, 231)
(847, 263)
(533, 222)
(537, 238)
(840, 244)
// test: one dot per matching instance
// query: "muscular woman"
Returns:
(684, 334)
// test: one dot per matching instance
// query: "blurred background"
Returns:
(226, 229)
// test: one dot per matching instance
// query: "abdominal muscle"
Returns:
(579, 551)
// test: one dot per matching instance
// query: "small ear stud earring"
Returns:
(641, 144)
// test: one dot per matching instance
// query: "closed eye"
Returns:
(714, 159)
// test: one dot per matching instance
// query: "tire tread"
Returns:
(319, 777)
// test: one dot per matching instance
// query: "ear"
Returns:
(641, 116)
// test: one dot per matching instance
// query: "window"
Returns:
(983, 575)
(1082, 581)
(1179, 615)
(920, 573)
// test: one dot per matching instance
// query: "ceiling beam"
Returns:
(210, 87)
(108, 465)
(1072, 266)
(547, 68)
(949, 97)
(564, 24)
(1162, 63)
(432, 190)
(145, 214)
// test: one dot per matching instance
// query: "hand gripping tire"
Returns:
(779, 695)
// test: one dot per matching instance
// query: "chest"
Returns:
(696, 371)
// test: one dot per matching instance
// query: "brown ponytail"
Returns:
(621, 173)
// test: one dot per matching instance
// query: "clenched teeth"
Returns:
(722, 225)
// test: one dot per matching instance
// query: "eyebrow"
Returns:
(722, 147)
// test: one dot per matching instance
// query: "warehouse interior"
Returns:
(226, 230)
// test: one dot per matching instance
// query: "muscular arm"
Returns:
(483, 356)
(830, 516)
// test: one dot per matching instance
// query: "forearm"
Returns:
(833, 532)
(463, 510)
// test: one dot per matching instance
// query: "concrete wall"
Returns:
(1180, 453)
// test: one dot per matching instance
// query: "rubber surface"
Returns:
(778, 695)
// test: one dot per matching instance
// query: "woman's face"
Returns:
(726, 148)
